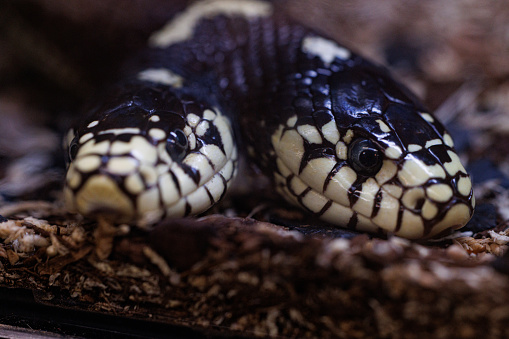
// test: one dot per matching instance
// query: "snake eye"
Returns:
(177, 144)
(364, 157)
(73, 150)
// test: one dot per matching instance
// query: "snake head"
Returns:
(139, 165)
(371, 159)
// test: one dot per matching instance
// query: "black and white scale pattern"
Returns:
(161, 143)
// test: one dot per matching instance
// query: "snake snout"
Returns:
(431, 198)
(101, 196)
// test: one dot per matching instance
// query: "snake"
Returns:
(337, 135)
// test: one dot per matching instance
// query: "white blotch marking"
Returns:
(297, 186)
(117, 131)
(169, 191)
(120, 147)
(155, 118)
(464, 186)
(387, 215)
(428, 117)
(433, 142)
(348, 136)
(285, 171)
(214, 154)
(393, 152)
(415, 172)
(85, 137)
(215, 187)
(387, 172)
(365, 224)
(200, 163)
(454, 166)
(412, 226)
(185, 182)
(291, 121)
(87, 163)
(314, 201)
(383, 126)
(142, 150)
(162, 76)
(157, 134)
(337, 214)
(202, 128)
(337, 189)
(439, 192)
(341, 150)
(310, 134)
(134, 184)
(330, 132)
(209, 115)
(177, 210)
(316, 171)
(199, 200)
(223, 126)
(148, 201)
(429, 210)
(290, 148)
(121, 165)
(412, 196)
(181, 28)
(191, 141)
(91, 147)
(193, 119)
(73, 178)
(325, 49)
(228, 170)
(93, 124)
(448, 140)
(414, 148)
(394, 190)
(162, 168)
(162, 152)
(457, 216)
(364, 204)
(149, 174)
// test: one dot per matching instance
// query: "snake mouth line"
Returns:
(391, 217)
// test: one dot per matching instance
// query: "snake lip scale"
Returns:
(336, 133)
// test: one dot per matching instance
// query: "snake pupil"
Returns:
(364, 157)
(180, 138)
(177, 144)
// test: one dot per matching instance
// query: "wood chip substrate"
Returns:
(253, 266)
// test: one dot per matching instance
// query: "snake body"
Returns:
(338, 136)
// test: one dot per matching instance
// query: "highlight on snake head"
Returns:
(391, 170)
(139, 164)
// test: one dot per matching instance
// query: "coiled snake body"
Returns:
(338, 136)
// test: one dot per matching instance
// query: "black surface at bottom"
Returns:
(19, 311)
